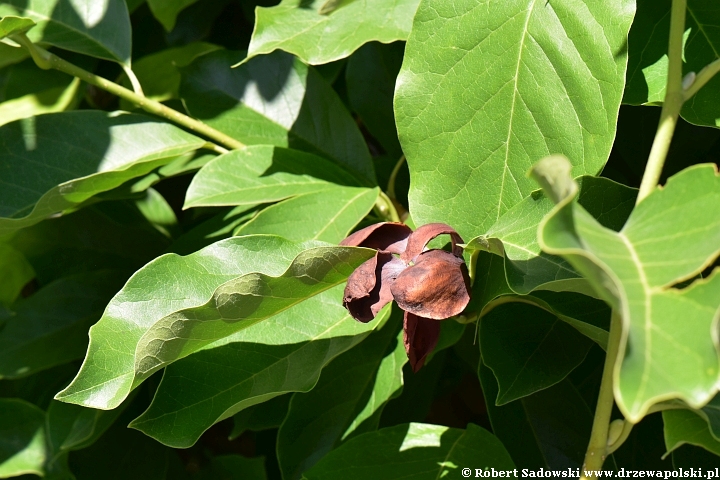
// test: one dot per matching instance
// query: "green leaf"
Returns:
(337, 409)
(299, 27)
(17, 272)
(670, 237)
(22, 449)
(548, 429)
(647, 64)
(214, 229)
(50, 327)
(476, 109)
(275, 100)
(414, 451)
(263, 416)
(211, 294)
(328, 215)
(262, 174)
(99, 28)
(370, 78)
(10, 55)
(166, 11)
(684, 426)
(159, 73)
(56, 99)
(528, 349)
(10, 25)
(158, 212)
(81, 154)
(285, 353)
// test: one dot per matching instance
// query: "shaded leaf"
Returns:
(81, 154)
(233, 467)
(671, 236)
(50, 327)
(263, 416)
(99, 28)
(56, 99)
(22, 448)
(263, 174)
(475, 111)
(10, 25)
(166, 11)
(283, 354)
(337, 409)
(413, 451)
(275, 100)
(328, 215)
(213, 293)
(320, 36)
(684, 426)
(528, 349)
(17, 272)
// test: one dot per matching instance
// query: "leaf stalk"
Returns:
(674, 99)
(47, 60)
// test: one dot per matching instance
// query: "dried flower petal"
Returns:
(422, 236)
(386, 237)
(437, 286)
(364, 295)
(420, 337)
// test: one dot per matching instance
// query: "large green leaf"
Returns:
(263, 416)
(210, 294)
(17, 272)
(307, 29)
(166, 11)
(99, 28)
(276, 100)
(50, 327)
(336, 408)
(670, 237)
(22, 444)
(328, 215)
(684, 426)
(263, 174)
(80, 154)
(647, 64)
(528, 349)
(524, 79)
(413, 451)
(286, 353)
(10, 25)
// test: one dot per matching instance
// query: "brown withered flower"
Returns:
(428, 285)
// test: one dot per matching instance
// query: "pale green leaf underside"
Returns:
(299, 27)
(328, 215)
(263, 174)
(525, 79)
(285, 353)
(10, 25)
(670, 237)
(53, 162)
(203, 297)
(414, 451)
(99, 28)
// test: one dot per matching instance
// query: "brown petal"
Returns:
(368, 288)
(437, 286)
(387, 236)
(420, 238)
(420, 337)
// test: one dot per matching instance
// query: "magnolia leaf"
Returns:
(166, 11)
(327, 215)
(415, 450)
(10, 25)
(670, 237)
(81, 154)
(282, 354)
(320, 32)
(528, 349)
(49, 328)
(275, 100)
(337, 409)
(211, 294)
(648, 61)
(263, 416)
(475, 111)
(685, 427)
(23, 447)
(99, 28)
(17, 272)
(56, 99)
(263, 174)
